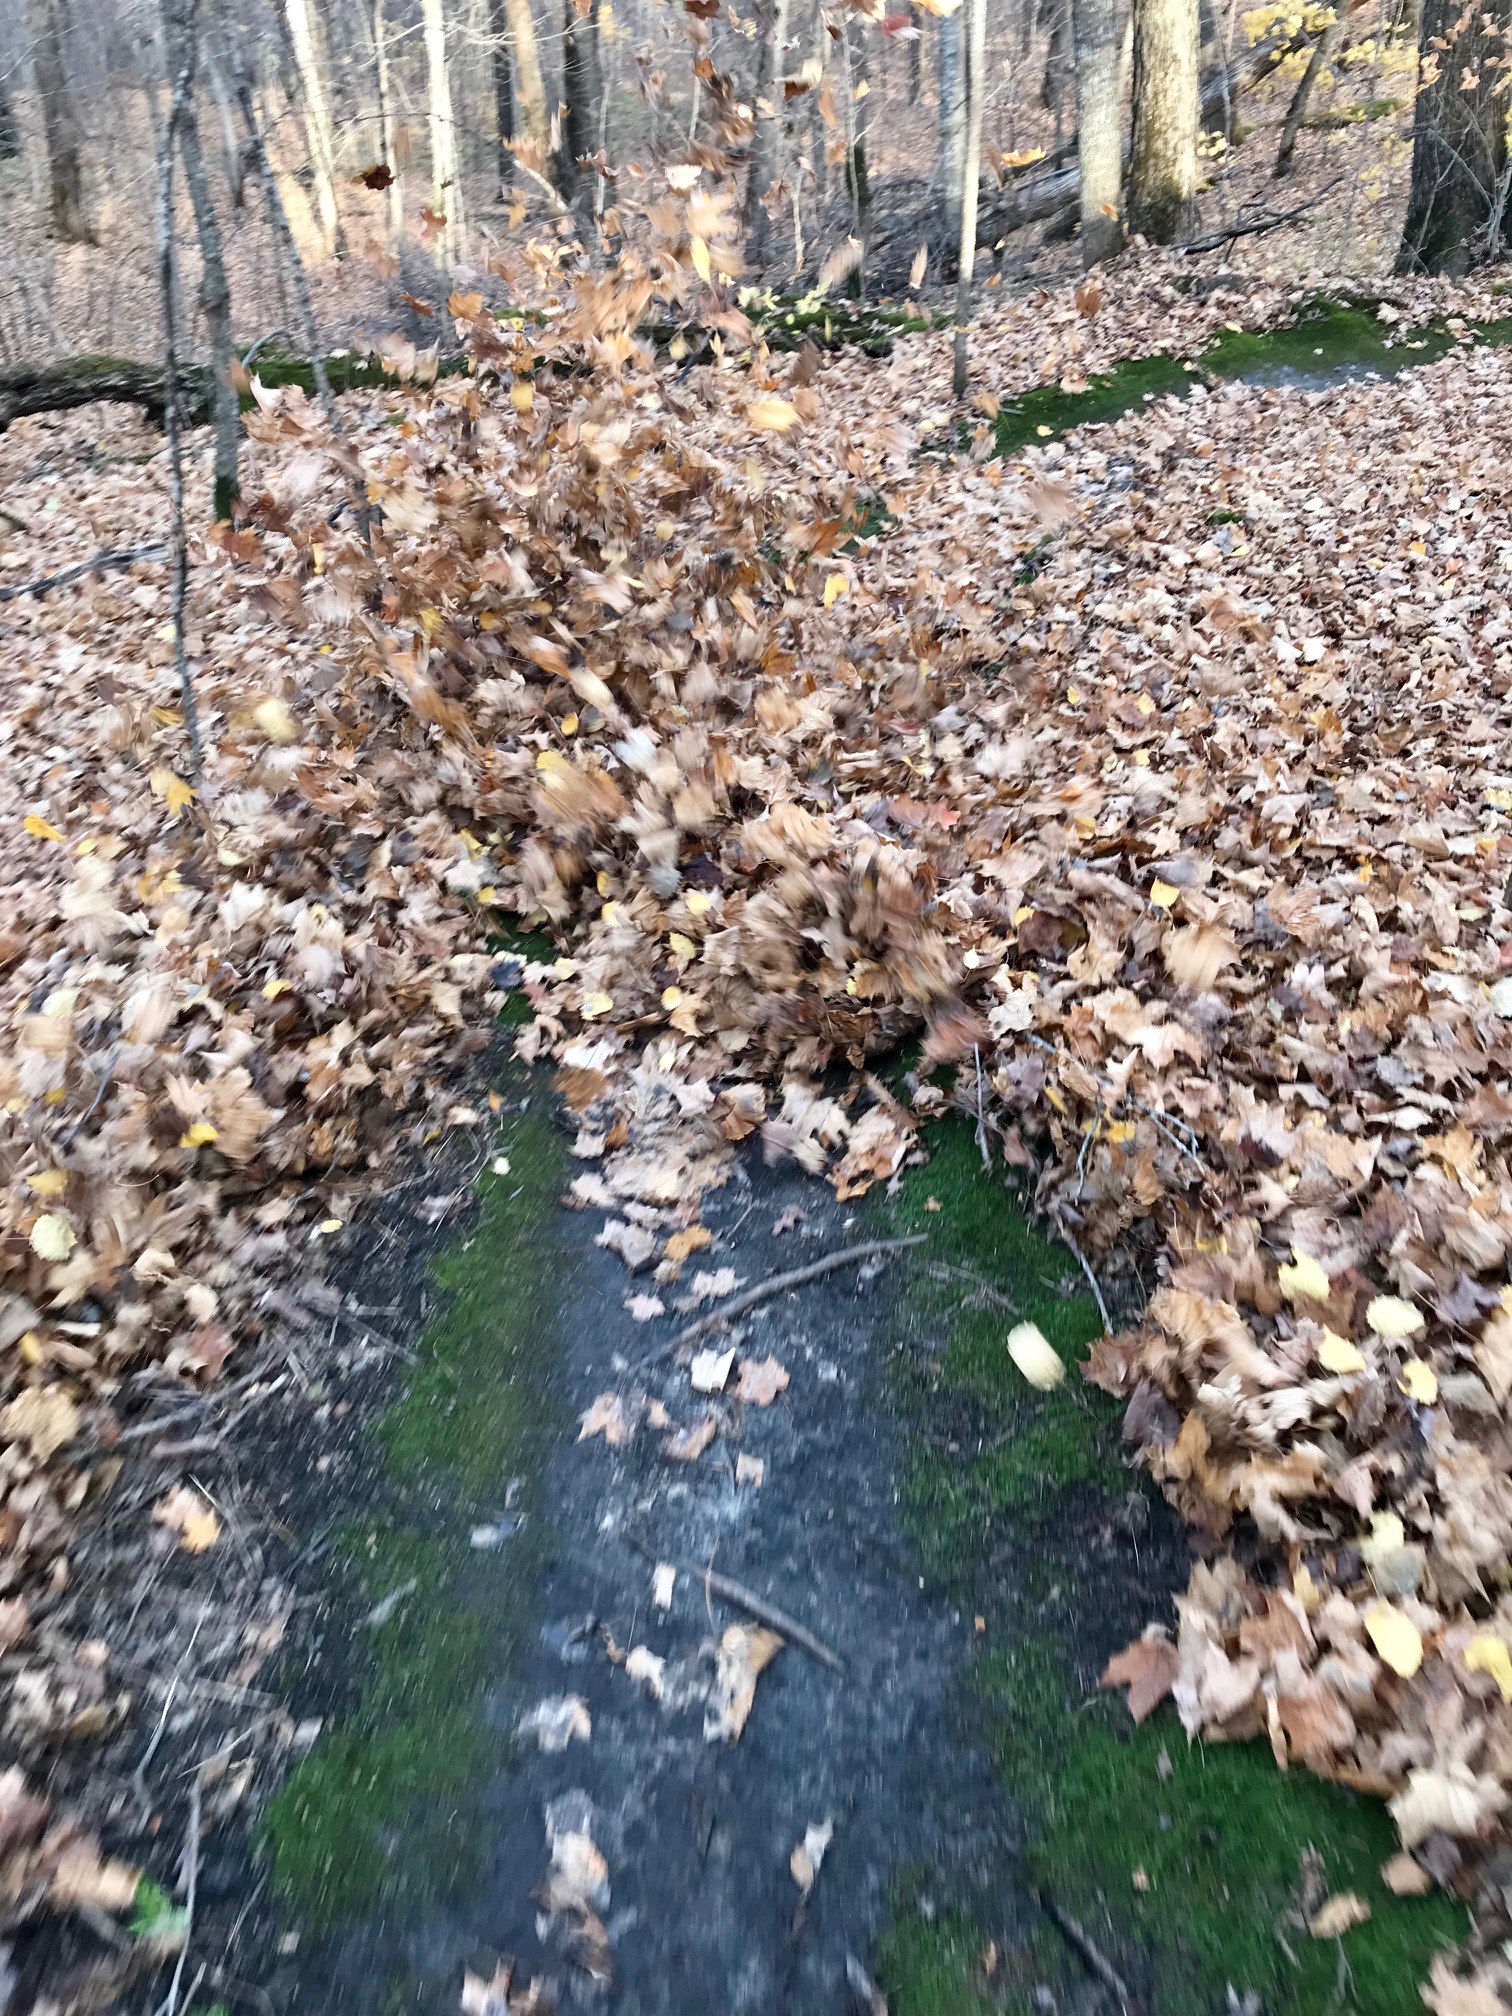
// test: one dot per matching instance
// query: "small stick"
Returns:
(1090, 1951)
(768, 1613)
(776, 1284)
(981, 1126)
(1081, 1260)
(191, 1857)
(99, 564)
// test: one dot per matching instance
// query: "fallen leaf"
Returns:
(761, 1380)
(1148, 1668)
(185, 1512)
(558, 1720)
(808, 1857)
(1305, 1279)
(1340, 1914)
(1390, 1316)
(1035, 1356)
(44, 1417)
(686, 1445)
(1395, 1637)
(1405, 1877)
(745, 1652)
(710, 1370)
(1486, 1653)
(610, 1416)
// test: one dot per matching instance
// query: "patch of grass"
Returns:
(1182, 1870)
(385, 1809)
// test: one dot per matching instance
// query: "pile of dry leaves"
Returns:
(1166, 771)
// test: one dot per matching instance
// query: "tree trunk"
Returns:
(48, 23)
(393, 196)
(531, 121)
(951, 56)
(769, 128)
(1099, 114)
(10, 129)
(582, 89)
(1291, 126)
(970, 188)
(1163, 168)
(215, 290)
(446, 186)
(503, 88)
(857, 172)
(1457, 204)
(317, 123)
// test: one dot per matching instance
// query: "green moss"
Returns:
(1327, 337)
(384, 1810)
(1003, 1488)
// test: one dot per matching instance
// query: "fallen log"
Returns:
(80, 381)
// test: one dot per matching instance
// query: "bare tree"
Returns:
(446, 182)
(1163, 165)
(950, 56)
(49, 26)
(531, 121)
(1457, 203)
(582, 89)
(503, 87)
(10, 126)
(857, 167)
(970, 186)
(1291, 125)
(180, 46)
(1099, 102)
(394, 193)
(317, 122)
(769, 123)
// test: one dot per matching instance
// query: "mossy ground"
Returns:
(1327, 339)
(385, 1809)
(1192, 1864)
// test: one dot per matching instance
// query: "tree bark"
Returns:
(857, 168)
(769, 128)
(951, 58)
(215, 290)
(1457, 203)
(10, 129)
(582, 88)
(503, 88)
(1291, 125)
(317, 123)
(1099, 113)
(1163, 167)
(446, 185)
(970, 188)
(393, 213)
(531, 121)
(48, 22)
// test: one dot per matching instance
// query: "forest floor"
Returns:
(1143, 787)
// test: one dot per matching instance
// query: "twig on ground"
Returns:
(1272, 221)
(777, 1284)
(750, 1601)
(169, 2006)
(1081, 1260)
(100, 563)
(1090, 1951)
(981, 1113)
(65, 1140)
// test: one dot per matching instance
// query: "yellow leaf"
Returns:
(1163, 894)
(1419, 1381)
(48, 1182)
(1035, 1356)
(1395, 1637)
(1024, 158)
(773, 415)
(1305, 1279)
(671, 996)
(171, 788)
(200, 1135)
(1337, 1354)
(701, 264)
(40, 828)
(1487, 1654)
(1390, 1316)
(522, 395)
(551, 759)
(595, 1005)
(569, 724)
(699, 903)
(273, 988)
(834, 588)
(681, 945)
(602, 883)
(275, 720)
(329, 1225)
(52, 1237)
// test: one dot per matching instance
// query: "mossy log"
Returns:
(80, 381)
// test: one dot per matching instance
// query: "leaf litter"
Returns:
(1165, 770)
